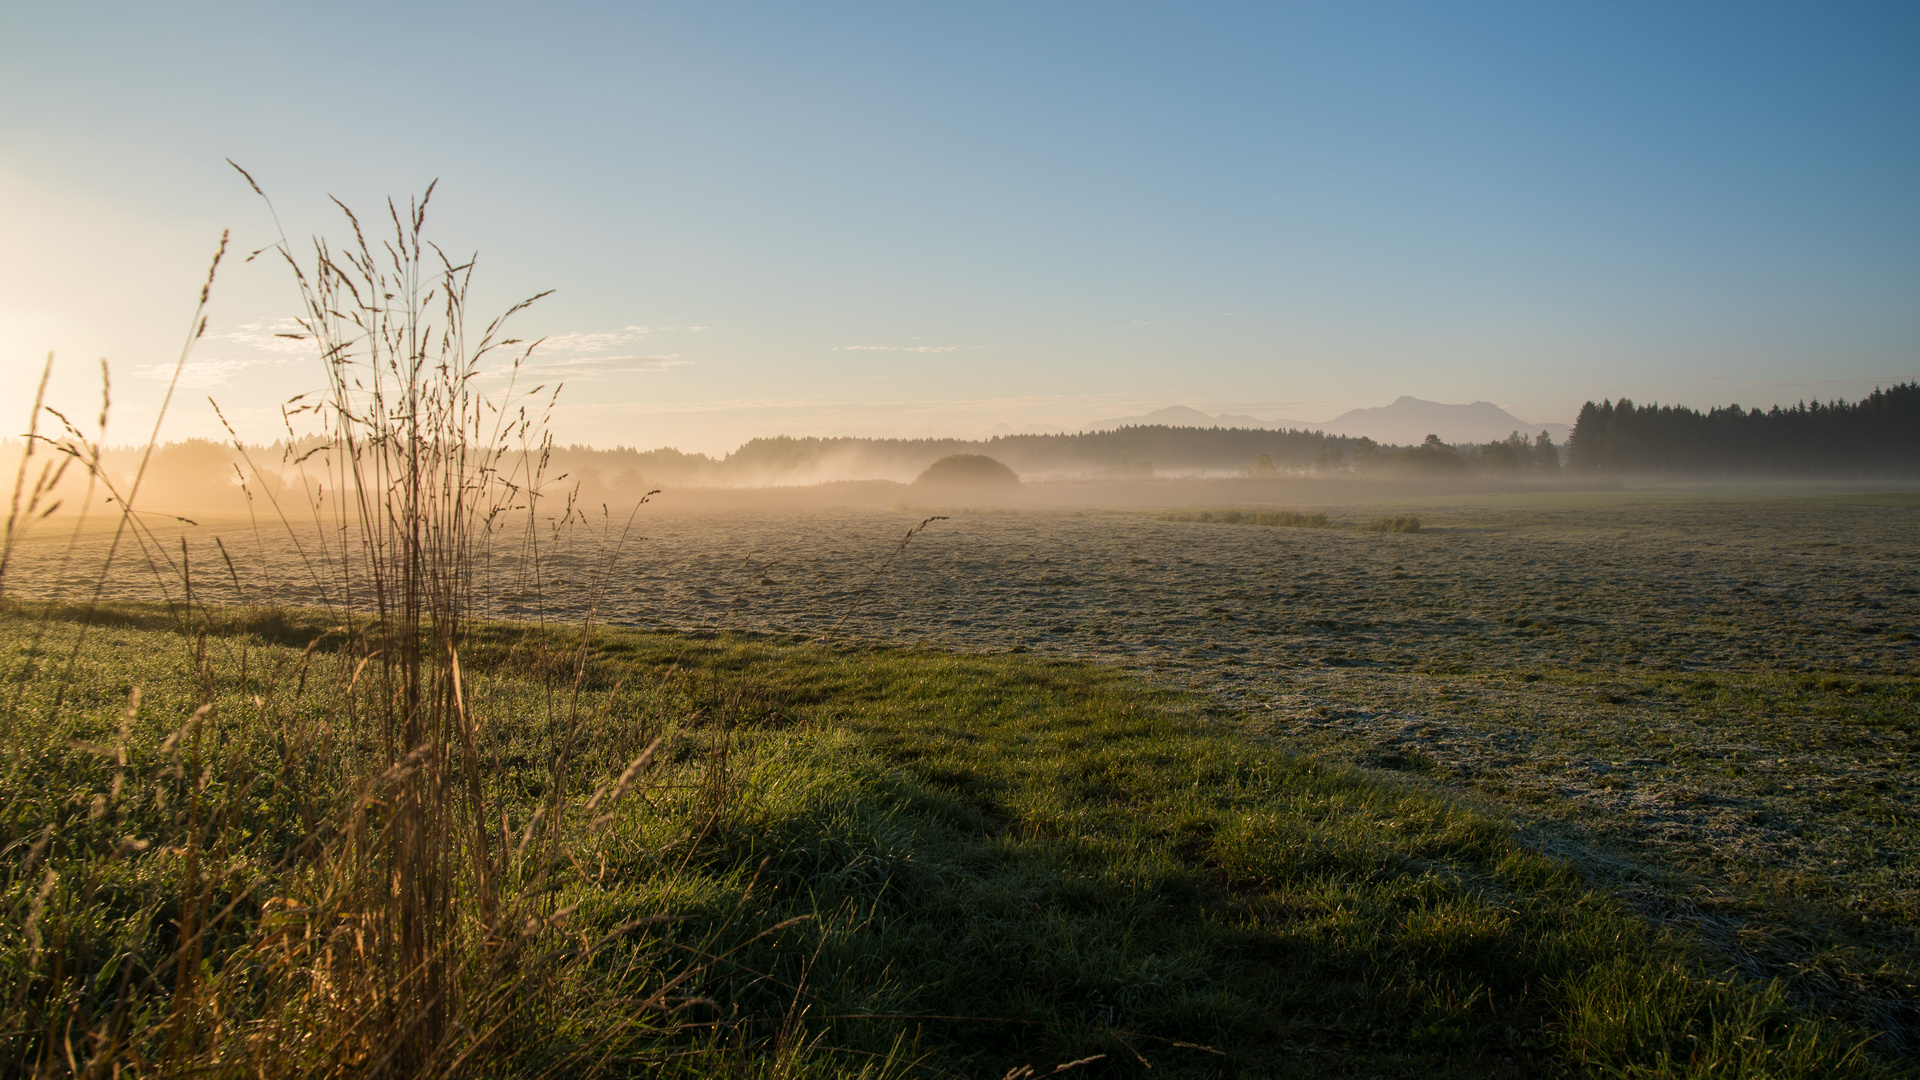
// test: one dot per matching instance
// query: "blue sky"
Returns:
(910, 219)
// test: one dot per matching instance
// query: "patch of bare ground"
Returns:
(1711, 705)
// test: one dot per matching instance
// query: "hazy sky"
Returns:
(919, 218)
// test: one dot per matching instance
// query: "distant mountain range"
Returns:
(1407, 421)
(1410, 420)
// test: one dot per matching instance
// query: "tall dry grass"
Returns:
(387, 916)
(420, 466)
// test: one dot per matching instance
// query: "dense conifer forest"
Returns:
(1877, 435)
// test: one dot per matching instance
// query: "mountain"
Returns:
(1409, 421)
(1182, 416)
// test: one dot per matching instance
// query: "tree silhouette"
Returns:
(1878, 435)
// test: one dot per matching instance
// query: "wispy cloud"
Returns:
(542, 367)
(201, 374)
(567, 344)
(264, 337)
(585, 355)
(899, 348)
(256, 343)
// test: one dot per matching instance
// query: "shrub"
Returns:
(1287, 518)
(969, 471)
(1400, 524)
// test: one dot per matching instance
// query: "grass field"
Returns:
(847, 860)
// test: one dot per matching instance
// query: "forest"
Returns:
(1879, 435)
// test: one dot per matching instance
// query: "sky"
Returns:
(936, 219)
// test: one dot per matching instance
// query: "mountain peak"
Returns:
(1409, 420)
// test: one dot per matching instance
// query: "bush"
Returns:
(968, 471)
(1401, 524)
(1288, 518)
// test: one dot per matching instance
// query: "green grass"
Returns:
(1771, 810)
(995, 861)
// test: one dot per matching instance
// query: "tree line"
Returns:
(203, 476)
(1877, 435)
(1136, 452)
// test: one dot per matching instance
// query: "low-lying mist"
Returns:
(202, 477)
(199, 478)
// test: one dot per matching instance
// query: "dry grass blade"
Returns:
(1028, 1072)
(20, 515)
(880, 571)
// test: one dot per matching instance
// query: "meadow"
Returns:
(848, 860)
(421, 767)
(1575, 782)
